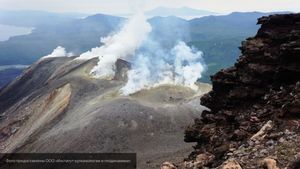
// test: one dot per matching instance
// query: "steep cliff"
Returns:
(255, 105)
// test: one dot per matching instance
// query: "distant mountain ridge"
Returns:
(34, 18)
(179, 12)
(79, 35)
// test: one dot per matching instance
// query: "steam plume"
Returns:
(180, 66)
(59, 52)
(120, 45)
(152, 64)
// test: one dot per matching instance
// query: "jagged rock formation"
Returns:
(261, 89)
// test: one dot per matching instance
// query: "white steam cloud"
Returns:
(181, 66)
(59, 52)
(120, 45)
(152, 64)
(188, 65)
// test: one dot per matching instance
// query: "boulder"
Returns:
(122, 67)
(269, 163)
(231, 164)
(168, 165)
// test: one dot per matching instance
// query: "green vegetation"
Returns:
(218, 54)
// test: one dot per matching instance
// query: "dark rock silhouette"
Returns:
(261, 89)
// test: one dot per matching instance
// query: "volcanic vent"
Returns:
(68, 110)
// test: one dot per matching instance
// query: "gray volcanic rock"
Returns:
(57, 106)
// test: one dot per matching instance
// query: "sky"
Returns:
(131, 6)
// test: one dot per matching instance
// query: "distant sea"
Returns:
(5, 67)
(9, 73)
(7, 31)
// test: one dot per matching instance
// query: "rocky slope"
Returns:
(56, 106)
(255, 105)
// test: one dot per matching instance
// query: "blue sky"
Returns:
(130, 6)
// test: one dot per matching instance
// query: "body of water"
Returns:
(7, 31)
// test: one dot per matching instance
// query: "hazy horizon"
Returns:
(117, 7)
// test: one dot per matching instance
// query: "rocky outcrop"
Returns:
(122, 68)
(258, 98)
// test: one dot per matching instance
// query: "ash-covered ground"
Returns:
(57, 106)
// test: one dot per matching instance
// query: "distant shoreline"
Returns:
(5, 67)
(8, 31)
